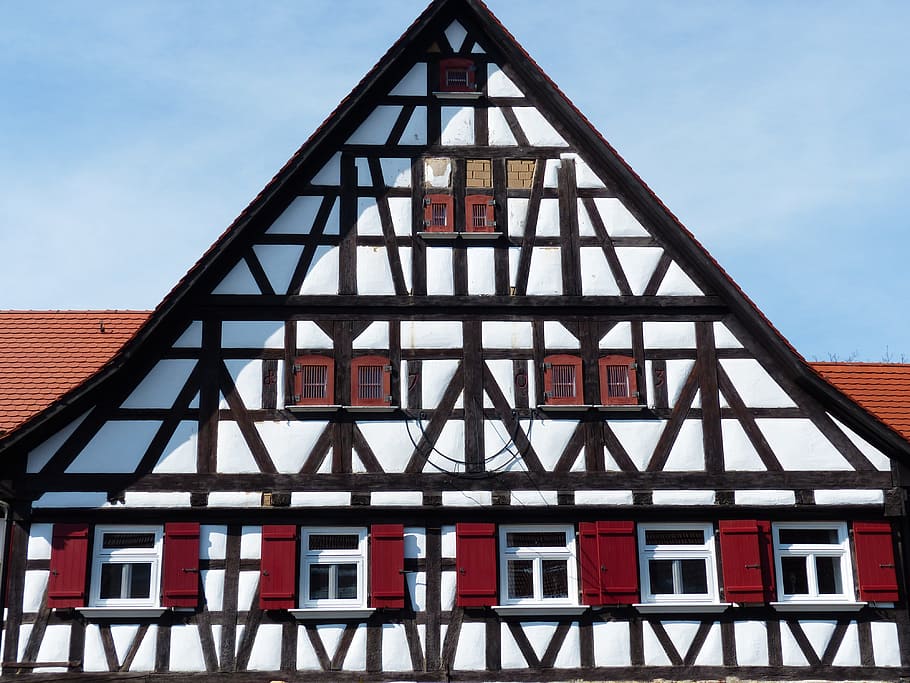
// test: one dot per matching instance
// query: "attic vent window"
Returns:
(457, 75)
(313, 381)
(371, 381)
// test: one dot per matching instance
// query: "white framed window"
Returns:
(126, 566)
(812, 560)
(333, 567)
(677, 564)
(537, 565)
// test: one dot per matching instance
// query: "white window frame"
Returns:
(102, 556)
(566, 552)
(309, 558)
(704, 551)
(841, 550)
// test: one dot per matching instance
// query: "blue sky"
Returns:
(132, 134)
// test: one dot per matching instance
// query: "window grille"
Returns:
(563, 381)
(313, 381)
(370, 382)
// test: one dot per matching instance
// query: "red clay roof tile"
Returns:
(44, 354)
(881, 388)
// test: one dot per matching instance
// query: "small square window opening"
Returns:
(677, 563)
(812, 561)
(333, 568)
(537, 565)
(126, 567)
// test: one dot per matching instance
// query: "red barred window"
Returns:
(562, 380)
(479, 213)
(457, 74)
(314, 381)
(439, 213)
(371, 381)
(618, 380)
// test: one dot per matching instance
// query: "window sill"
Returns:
(458, 94)
(331, 613)
(818, 605)
(622, 408)
(466, 234)
(538, 610)
(370, 409)
(478, 235)
(564, 408)
(121, 612)
(681, 607)
(313, 408)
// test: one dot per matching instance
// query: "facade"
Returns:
(455, 398)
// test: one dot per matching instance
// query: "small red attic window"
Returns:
(618, 381)
(439, 213)
(371, 381)
(456, 74)
(479, 213)
(313, 381)
(562, 380)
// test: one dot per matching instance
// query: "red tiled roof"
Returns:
(44, 354)
(881, 388)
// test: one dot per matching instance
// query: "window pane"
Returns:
(140, 579)
(319, 581)
(827, 570)
(369, 382)
(536, 539)
(694, 575)
(661, 576)
(111, 581)
(346, 581)
(334, 541)
(128, 541)
(796, 580)
(674, 537)
(555, 579)
(814, 536)
(521, 579)
(563, 381)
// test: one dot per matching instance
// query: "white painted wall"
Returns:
(499, 84)
(377, 126)
(537, 129)
(252, 334)
(322, 274)
(414, 82)
(499, 133)
(117, 447)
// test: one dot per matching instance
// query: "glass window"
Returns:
(677, 563)
(126, 567)
(812, 561)
(537, 565)
(333, 567)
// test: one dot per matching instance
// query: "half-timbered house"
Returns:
(455, 398)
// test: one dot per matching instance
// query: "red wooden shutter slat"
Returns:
(278, 567)
(745, 559)
(180, 574)
(588, 550)
(875, 567)
(475, 561)
(69, 558)
(618, 563)
(387, 566)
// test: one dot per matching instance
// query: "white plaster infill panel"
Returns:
(279, 262)
(252, 334)
(72, 499)
(191, 337)
(678, 283)
(800, 446)
(549, 438)
(117, 447)
(330, 174)
(455, 35)
(669, 335)
(377, 126)
(375, 336)
(507, 335)
(596, 277)
(186, 648)
(849, 497)
(391, 442)
(238, 281)
(885, 644)
(638, 438)
(435, 378)
(247, 378)
(439, 264)
(878, 459)
(674, 497)
(481, 271)
(40, 456)
(396, 498)
(157, 499)
(531, 498)
(739, 452)
(396, 171)
(320, 498)
(395, 652)
(537, 129)
(619, 337)
(556, 336)
(415, 133)
(751, 643)
(548, 218)
(424, 334)
(414, 82)
(265, 654)
(545, 276)
(603, 498)
(470, 654)
(499, 133)
(612, 643)
(234, 455)
(467, 498)
(585, 177)
(617, 219)
(322, 274)
(457, 126)
(311, 336)
(638, 263)
(374, 274)
(400, 210)
(235, 499)
(499, 84)
(289, 442)
(300, 216)
(754, 385)
(764, 497)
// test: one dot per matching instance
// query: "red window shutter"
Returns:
(314, 381)
(562, 380)
(589, 556)
(457, 74)
(371, 381)
(747, 560)
(618, 562)
(875, 566)
(479, 213)
(180, 575)
(387, 566)
(618, 380)
(278, 567)
(439, 213)
(475, 561)
(69, 558)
